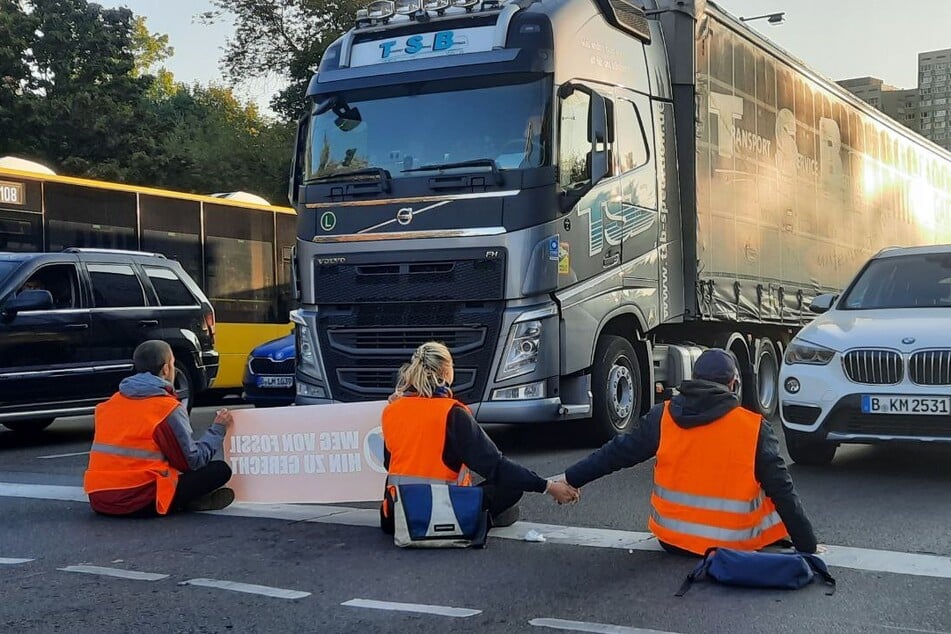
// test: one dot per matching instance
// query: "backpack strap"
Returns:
(697, 573)
(819, 567)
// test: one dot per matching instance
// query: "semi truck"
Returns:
(579, 196)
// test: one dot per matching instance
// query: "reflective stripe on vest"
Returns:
(129, 452)
(414, 433)
(708, 503)
(705, 490)
(124, 453)
(718, 534)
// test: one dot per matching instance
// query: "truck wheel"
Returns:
(29, 426)
(184, 385)
(805, 450)
(616, 387)
(767, 378)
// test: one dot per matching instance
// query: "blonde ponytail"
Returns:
(425, 370)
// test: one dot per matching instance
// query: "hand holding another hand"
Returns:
(562, 492)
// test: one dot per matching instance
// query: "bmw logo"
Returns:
(908, 341)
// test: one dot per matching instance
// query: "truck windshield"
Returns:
(910, 281)
(409, 128)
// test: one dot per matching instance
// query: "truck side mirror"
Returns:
(297, 163)
(33, 299)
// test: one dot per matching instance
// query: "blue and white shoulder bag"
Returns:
(438, 516)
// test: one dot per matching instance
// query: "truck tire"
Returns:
(766, 382)
(33, 426)
(615, 386)
(184, 385)
(806, 450)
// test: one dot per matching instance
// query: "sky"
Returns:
(838, 38)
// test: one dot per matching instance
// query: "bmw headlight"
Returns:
(803, 352)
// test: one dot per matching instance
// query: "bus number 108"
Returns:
(11, 193)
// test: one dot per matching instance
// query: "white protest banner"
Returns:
(317, 453)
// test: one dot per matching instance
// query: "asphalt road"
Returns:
(880, 498)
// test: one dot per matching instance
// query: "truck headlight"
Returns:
(803, 352)
(308, 361)
(521, 351)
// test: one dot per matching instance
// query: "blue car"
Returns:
(269, 374)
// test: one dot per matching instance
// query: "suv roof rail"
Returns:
(113, 251)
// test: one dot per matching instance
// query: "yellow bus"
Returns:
(238, 252)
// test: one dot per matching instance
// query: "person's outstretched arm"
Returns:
(773, 476)
(622, 451)
(468, 443)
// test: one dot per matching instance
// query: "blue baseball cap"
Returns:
(716, 365)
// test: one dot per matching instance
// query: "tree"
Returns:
(150, 50)
(285, 38)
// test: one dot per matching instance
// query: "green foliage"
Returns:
(82, 90)
(285, 38)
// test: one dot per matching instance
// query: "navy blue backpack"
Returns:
(751, 569)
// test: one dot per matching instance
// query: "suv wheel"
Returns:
(808, 451)
(29, 426)
(184, 385)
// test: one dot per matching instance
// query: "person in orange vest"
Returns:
(143, 461)
(719, 479)
(429, 437)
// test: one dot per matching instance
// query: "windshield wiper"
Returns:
(379, 172)
(484, 162)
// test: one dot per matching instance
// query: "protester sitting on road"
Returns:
(715, 462)
(430, 437)
(143, 461)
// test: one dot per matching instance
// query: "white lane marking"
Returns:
(247, 588)
(421, 608)
(599, 628)
(43, 492)
(12, 561)
(866, 559)
(115, 572)
(63, 455)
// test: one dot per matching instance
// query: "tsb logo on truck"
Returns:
(420, 45)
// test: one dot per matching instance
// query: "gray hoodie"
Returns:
(197, 453)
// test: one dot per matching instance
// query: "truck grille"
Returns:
(873, 367)
(364, 345)
(269, 366)
(380, 381)
(404, 341)
(930, 367)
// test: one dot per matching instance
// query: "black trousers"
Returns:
(191, 486)
(495, 500)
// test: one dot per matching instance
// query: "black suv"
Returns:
(69, 322)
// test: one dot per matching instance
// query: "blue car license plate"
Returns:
(275, 381)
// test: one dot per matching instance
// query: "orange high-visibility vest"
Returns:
(124, 455)
(414, 432)
(705, 489)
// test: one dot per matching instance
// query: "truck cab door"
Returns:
(637, 215)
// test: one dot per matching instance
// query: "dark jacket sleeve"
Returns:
(467, 443)
(165, 438)
(622, 451)
(772, 475)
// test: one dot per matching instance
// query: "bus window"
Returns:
(20, 231)
(86, 217)
(172, 227)
(239, 264)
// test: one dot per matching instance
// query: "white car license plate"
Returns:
(914, 405)
(275, 381)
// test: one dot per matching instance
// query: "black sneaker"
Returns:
(214, 501)
(507, 517)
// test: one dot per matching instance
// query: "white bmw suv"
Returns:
(875, 366)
